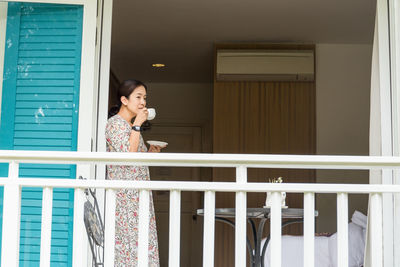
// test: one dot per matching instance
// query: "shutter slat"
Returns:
(43, 119)
(37, 225)
(37, 194)
(42, 61)
(36, 234)
(45, 90)
(37, 218)
(47, 39)
(35, 203)
(48, 54)
(34, 256)
(36, 249)
(47, 32)
(38, 210)
(46, 76)
(43, 148)
(43, 112)
(49, 17)
(47, 47)
(40, 104)
(45, 97)
(46, 166)
(43, 127)
(48, 82)
(46, 25)
(42, 142)
(47, 135)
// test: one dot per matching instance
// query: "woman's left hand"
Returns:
(154, 149)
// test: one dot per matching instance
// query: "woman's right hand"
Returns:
(141, 117)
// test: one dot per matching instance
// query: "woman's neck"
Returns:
(126, 114)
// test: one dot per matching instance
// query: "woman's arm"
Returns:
(134, 141)
(135, 135)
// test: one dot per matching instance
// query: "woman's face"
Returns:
(136, 100)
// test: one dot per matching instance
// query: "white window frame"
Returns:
(104, 73)
(100, 107)
(387, 49)
(394, 38)
(386, 120)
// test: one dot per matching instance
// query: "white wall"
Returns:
(184, 103)
(343, 94)
(188, 102)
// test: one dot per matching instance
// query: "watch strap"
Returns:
(136, 128)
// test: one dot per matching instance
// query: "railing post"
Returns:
(376, 230)
(144, 213)
(388, 212)
(309, 228)
(342, 230)
(174, 227)
(45, 239)
(276, 229)
(11, 218)
(209, 229)
(79, 247)
(109, 233)
(240, 219)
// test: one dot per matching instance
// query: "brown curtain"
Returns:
(261, 118)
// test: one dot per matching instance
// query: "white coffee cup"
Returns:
(151, 114)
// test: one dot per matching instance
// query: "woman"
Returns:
(124, 136)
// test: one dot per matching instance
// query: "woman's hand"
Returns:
(141, 117)
(154, 149)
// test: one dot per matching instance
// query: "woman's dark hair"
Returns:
(125, 89)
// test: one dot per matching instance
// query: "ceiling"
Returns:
(181, 33)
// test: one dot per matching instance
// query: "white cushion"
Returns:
(293, 253)
(356, 246)
(325, 247)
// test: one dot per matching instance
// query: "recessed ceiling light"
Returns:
(158, 65)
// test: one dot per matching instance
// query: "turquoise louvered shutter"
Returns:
(40, 112)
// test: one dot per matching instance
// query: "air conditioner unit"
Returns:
(265, 65)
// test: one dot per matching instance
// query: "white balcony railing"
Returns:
(13, 184)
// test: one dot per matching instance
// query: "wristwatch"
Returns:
(136, 128)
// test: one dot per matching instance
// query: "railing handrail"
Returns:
(205, 186)
(204, 159)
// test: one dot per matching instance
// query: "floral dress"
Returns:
(127, 203)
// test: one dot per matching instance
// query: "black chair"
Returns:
(94, 227)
